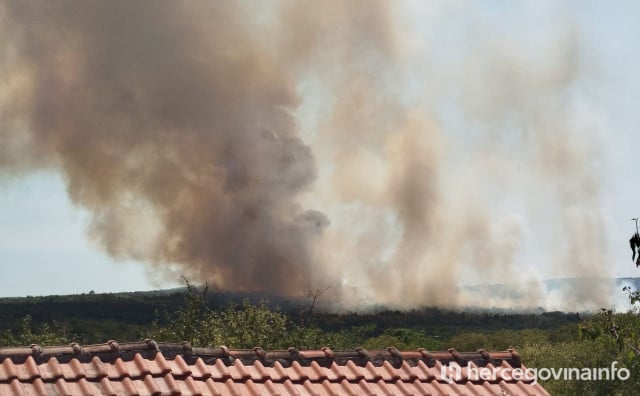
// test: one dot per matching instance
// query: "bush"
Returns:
(27, 333)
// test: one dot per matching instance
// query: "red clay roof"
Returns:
(150, 368)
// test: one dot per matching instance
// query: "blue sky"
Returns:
(44, 247)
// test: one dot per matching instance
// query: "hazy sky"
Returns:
(44, 247)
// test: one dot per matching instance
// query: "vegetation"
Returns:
(547, 339)
(26, 333)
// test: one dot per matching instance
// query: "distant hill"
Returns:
(143, 303)
(93, 317)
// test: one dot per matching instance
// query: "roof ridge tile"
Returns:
(161, 353)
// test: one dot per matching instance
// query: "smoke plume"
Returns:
(286, 146)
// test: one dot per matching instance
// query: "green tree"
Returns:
(28, 333)
(470, 342)
(248, 325)
(578, 353)
(244, 325)
(187, 323)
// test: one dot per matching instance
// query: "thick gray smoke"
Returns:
(286, 146)
(172, 124)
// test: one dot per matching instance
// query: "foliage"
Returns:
(187, 323)
(469, 341)
(403, 338)
(244, 325)
(609, 337)
(248, 325)
(579, 354)
(95, 318)
(621, 330)
(26, 333)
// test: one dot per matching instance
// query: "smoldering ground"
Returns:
(293, 145)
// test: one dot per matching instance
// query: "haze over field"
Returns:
(395, 152)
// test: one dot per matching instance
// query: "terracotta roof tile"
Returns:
(218, 371)
(389, 372)
(13, 387)
(209, 387)
(180, 368)
(105, 387)
(7, 371)
(149, 368)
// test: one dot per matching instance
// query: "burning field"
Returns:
(287, 146)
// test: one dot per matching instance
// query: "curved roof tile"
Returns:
(151, 368)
